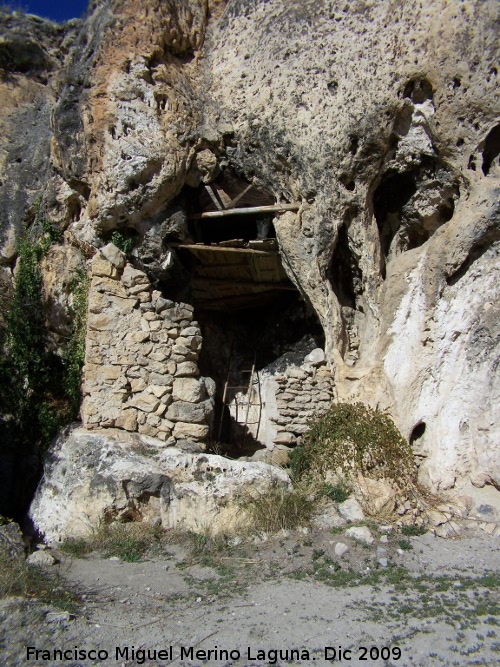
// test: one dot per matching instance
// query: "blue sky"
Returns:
(57, 10)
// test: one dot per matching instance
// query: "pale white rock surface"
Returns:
(360, 533)
(97, 476)
(351, 510)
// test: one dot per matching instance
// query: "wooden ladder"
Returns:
(253, 379)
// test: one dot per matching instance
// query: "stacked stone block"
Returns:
(302, 392)
(141, 372)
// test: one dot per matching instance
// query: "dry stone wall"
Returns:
(292, 389)
(141, 372)
(302, 392)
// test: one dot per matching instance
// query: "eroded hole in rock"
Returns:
(417, 432)
(345, 275)
(417, 442)
(491, 150)
(418, 90)
(410, 206)
(395, 190)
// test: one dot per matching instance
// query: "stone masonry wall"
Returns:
(301, 393)
(292, 389)
(141, 371)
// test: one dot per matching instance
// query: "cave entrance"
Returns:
(249, 311)
(231, 250)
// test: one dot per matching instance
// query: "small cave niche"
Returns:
(418, 90)
(417, 442)
(394, 191)
(344, 273)
(491, 150)
(236, 342)
(417, 432)
(401, 206)
(74, 209)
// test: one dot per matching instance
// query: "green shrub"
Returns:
(405, 545)
(338, 492)
(38, 394)
(413, 530)
(122, 242)
(352, 439)
(75, 352)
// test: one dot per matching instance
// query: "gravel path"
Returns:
(437, 603)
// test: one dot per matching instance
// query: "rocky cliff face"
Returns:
(380, 120)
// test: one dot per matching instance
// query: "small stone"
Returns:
(138, 384)
(144, 402)
(315, 358)
(185, 430)
(132, 277)
(159, 390)
(384, 539)
(187, 369)
(114, 255)
(190, 390)
(360, 533)
(59, 617)
(383, 562)
(351, 510)
(101, 267)
(162, 304)
(341, 549)
(42, 559)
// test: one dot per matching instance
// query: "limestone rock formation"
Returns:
(98, 476)
(376, 123)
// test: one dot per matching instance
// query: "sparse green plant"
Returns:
(75, 352)
(405, 545)
(128, 541)
(352, 439)
(338, 492)
(412, 530)
(122, 242)
(19, 578)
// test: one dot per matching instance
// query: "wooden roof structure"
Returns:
(234, 278)
(233, 273)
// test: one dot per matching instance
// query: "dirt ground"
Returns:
(437, 602)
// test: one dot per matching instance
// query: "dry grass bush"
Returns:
(350, 445)
(128, 541)
(278, 508)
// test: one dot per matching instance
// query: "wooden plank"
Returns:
(251, 210)
(237, 284)
(242, 194)
(224, 197)
(213, 197)
(200, 249)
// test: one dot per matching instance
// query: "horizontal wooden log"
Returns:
(250, 210)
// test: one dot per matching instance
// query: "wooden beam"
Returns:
(196, 249)
(260, 286)
(251, 210)
(242, 194)
(213, 197)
